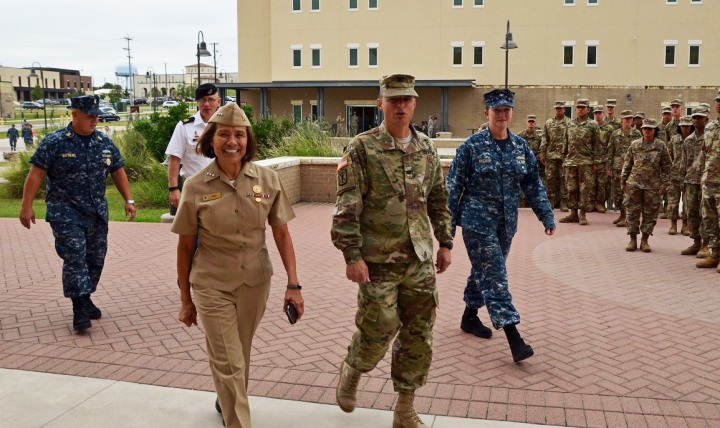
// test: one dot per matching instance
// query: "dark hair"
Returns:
(205, 148)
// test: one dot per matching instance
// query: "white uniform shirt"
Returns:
(183, 143)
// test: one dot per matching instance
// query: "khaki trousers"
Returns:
(230, 319)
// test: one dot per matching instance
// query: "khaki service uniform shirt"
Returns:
(230, 224)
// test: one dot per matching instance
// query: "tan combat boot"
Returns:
(632, 245)
(405, 415)
(692, 250)
(571, 218)
(622, 221)
(563, 205)
(711, 260)
(347, 387)
(582, 219)
(673, 227)
(644, 246)
(663, 214)
(620, 217)
(600, 207)
(684, 229)
(704, 250)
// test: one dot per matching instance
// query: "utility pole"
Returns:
(167, 88)
(214, 62)
(129, 76)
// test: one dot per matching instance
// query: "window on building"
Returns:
(457, 55)
(591, 53)
(671, 2)
(372, 4)
(297, 56)
(694, 60)
(352, 4)
(457, 3)
(315, 5)
(372, 56)
(296, 5)
(568, 53)
(670, 47)
(593, 2)
(315, 50)
(297, 113)
(353, 52)
(569, 2)
(479, 3)
(695, 1)
(478, 51)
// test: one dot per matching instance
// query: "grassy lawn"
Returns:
(10, 208)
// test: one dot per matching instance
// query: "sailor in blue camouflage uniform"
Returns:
(486, 178)
(76, 161)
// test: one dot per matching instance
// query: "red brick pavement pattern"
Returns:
(621, 339)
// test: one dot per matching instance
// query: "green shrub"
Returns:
(159, 128)
(137, 157)
(15, 175)
(269, 132)
(306, 139)
(151, 190)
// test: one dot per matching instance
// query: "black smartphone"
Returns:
(291, 312)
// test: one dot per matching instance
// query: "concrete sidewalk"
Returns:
(31, 399)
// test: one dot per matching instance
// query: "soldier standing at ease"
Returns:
(611, 119)
(692, 167)
(666, 112)
(675, 114)
(533, 136)
(76, 161)
(582, 151)
(601, 177)
(12, 134)
(715, 122)
(390, 189)
(638, 120)
(711, 196)
(354, 124)
(675, 192)
(644, 180)
(617, 147)
(488, 174)
(553, 148)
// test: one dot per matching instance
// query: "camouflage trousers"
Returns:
(555, 181)
(580, 184)
(617, 194)
(400, 299)
(601, 185)
(487, 284)
(674, 195)
(710, 213)
(641, 201)
(693, 202)
(82, 249)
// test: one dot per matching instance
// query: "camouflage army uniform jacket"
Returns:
(553, 144)
(711, 158)
(617, 147)
(662, 133)
(692, 166)
(646, 166)
(76, 173)
(671, 129)
(485, 182)
(675, 149)
(615, 123)
(534, 140)
(606, 131)
(583, 143)
(385, 196)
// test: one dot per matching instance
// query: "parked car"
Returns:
(158, 101)
(108, 117)
(170, 103)
(108, 109)
(141, 101)
(32, 105)
(229, 99)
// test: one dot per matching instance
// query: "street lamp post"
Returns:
(201, 51)
(42, 86)
(152, 86)
(509, 44)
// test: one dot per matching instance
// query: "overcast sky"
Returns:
(88, 35)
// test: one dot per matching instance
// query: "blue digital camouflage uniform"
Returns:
(77, 210)
(485, 182)
(13, 136)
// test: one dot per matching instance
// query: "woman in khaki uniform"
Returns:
(226, 205)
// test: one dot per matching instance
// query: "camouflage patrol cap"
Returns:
(666, 109)
(699, 111)
(559, 104)
(685, 121)
(611, 102)
(649, 123)
(531, 118)
(717, 97)
(626, 114)
(499, 97)
(599, 109)
(582, 102)
(640, 114)
(88, 104)
(204, 90)
(398, 85)
(231, 115)
(705, 105)
(676, 102)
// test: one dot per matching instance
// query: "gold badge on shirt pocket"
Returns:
(211, 196)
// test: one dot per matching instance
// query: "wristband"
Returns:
(448, 245)
(171, 188)
(294, 287)
(130, 201)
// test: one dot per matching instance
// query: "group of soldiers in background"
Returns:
(582, 159)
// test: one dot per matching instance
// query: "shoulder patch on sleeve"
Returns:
(344, 162)
(190, 119)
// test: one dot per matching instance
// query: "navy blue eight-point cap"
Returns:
(499, 97)
(88, 104)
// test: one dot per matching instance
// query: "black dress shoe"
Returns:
(217, 406)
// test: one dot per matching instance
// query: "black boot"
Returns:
(93, 311)
(471, 324)
(217, 406)
(520, 350)
(81, 321)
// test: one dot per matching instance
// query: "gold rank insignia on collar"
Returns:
(210, 174)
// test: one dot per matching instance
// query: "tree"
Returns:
(36, 93)
(115, 94)
(185, 92)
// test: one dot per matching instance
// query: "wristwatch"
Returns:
(130, 201)
(171, 188)
(448, 245)
(294, 287)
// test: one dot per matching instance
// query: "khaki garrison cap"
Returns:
(231, 115)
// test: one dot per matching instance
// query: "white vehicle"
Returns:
(108, 110)
(170, 103)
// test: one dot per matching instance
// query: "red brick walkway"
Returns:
(621, 339)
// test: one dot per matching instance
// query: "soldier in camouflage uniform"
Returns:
(644, 178)
(675, 192)
(488, 174)
(666, 112)
(583, 144)
(715, 122)
(675, 114)
(711, 196)
(390, 189)
(638, 120)
(610, 109)
(533, 136)
(553, 148)
(617, 147)
(76, 161)
(601, 177)
(692, 167)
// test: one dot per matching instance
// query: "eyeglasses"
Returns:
(208, 100)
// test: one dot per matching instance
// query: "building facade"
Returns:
(324, 57)
(167, 84)
(57, 83)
